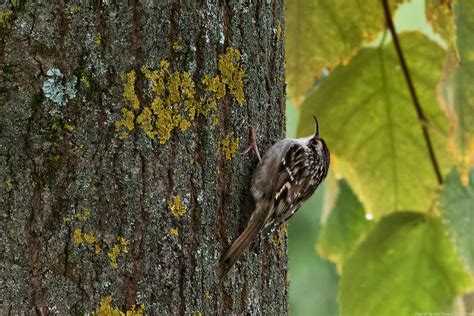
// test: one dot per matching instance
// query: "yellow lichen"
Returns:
(67, 219)
(174, 101)
(229, 146)
(9, 185)
(146, 123)
(89, 238)
(106, 309)
(98, 38)
(214, 120)
(85, 81)
(129, 89)
(171, 93)
(177, 46)
(127, 121)
(177, 207)
(279, 30)
(124, 243)
(113, 255)
(215, 85)
(174, 231)
(207, 295)
(77, 236)
(120, 247)
(98, 249)
(278, 239)
(164, 64)
(164, 125)
(232, 74)
(69, 127)
(84, 216)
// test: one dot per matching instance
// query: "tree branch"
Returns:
(411, 88)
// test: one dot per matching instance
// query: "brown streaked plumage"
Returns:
(289, 173)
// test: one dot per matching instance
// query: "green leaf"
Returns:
(458, 91)
(457, 209)
(441, 17)
(371, 127)
(406, 265)
(344, 228)
(325, 33)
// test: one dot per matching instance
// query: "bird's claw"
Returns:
(253, 145)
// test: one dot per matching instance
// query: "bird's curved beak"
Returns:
(316, 126)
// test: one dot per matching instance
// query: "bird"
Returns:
(287, 175)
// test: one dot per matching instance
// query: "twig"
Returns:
(421, 116)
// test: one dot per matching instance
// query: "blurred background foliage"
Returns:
(383, 236)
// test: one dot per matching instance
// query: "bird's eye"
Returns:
(317, 143)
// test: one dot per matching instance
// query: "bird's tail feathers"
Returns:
(239, 245)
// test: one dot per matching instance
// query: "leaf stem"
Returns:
(411, 87)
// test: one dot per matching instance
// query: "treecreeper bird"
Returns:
(287, 175)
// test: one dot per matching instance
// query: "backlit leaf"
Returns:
(325, 33)
(344, 227)
(457, 208)
(440, 15)
(406, 265)
(458, 91)
(370, 124)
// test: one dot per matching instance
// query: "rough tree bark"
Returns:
(120, 177)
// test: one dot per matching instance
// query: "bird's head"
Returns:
(316, 143)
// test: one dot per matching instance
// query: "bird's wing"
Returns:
(293, 167)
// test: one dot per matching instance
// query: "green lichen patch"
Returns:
(106, 309)
(177, 207)
(228, 146)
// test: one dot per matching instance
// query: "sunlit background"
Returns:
(314, 281)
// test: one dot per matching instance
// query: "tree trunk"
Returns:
(121, 180)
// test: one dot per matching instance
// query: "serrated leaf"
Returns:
(325, 33)
(457, 209)
(344, 228)
(369, 122)
(458, 91)
(406, 265)
(440, 15)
